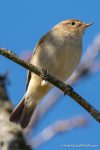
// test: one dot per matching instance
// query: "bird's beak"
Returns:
(87, 24)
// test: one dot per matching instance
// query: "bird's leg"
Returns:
(44, 73)
(68, 89)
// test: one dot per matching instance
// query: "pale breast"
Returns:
(59, 56)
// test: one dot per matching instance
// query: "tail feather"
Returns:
(16, 114)
(27, 113)
(23, 112)
(25, 118)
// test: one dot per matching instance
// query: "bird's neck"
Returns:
(73, 38)
(64, 36)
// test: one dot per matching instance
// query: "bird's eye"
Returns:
(73, 23)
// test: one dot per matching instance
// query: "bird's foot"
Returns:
(68, 89)
(44, 73)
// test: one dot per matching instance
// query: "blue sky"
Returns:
(22, 24)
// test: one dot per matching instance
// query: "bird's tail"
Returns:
(23, 112)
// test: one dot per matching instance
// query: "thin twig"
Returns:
(57, 127)
(89, 64)
(62, 86)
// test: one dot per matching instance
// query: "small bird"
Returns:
(58, 51)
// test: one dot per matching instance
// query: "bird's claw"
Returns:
(68, 89)
(44, 73)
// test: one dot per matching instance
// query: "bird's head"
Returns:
(73, 26)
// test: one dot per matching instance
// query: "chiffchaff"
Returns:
(59, 52)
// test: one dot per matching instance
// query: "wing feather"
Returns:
(36, 48)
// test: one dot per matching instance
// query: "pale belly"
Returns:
(57, 55)
(59, 62)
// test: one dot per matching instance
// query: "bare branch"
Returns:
(62, 86)
(59, 126)
(89, 63)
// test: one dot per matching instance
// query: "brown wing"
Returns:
(28, 79)
(36, 47)
(29, 72)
